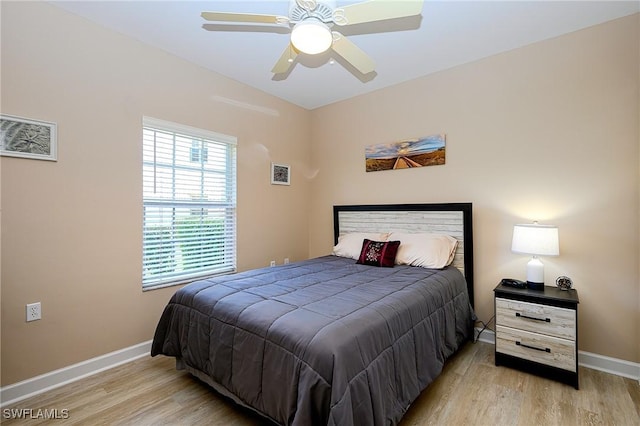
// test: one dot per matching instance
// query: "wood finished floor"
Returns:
(470, 391)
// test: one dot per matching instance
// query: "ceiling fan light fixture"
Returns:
(311, 36)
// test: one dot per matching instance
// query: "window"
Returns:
(189, 197)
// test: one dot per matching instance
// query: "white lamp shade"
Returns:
(311, 36)
(535, 239)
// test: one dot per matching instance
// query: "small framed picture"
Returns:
(26, 138)
(280, 174)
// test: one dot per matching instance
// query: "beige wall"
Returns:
(547, 132)
(71, 229)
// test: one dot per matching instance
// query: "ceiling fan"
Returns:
(311, 23)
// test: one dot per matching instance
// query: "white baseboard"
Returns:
(39, 384)
(18, 391)
(616, 366)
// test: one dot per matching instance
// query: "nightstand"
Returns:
(537, 331)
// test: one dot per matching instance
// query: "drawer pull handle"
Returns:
(533, 347)
(519, 315)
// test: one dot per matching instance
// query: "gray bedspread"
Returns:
(323, 341)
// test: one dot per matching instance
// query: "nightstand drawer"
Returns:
(536, 318)
(535, 347)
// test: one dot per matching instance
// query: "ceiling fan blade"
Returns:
(244, 17)
(286, 60)
(352, 54)
(376, 10)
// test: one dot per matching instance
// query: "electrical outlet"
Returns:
(286, 260)
(272, 263)
(34, 311)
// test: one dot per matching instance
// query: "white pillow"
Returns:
(425, 250)
(350, 245)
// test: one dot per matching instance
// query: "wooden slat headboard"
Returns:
(453, 219)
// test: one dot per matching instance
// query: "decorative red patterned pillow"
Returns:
(378, 253)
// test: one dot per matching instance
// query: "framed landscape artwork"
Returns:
(280, 174)
(26, 138)
(406, 154)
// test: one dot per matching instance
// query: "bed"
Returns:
(329, 341)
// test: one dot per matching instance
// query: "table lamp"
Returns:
(537, 240)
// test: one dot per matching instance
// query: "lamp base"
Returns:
(535, 274)
(535, 286)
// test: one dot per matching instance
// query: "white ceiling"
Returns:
(448, 33)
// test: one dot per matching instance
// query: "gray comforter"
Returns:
(323, 341)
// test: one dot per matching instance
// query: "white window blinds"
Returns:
(189, 197)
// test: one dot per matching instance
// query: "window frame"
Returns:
(228, 207)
